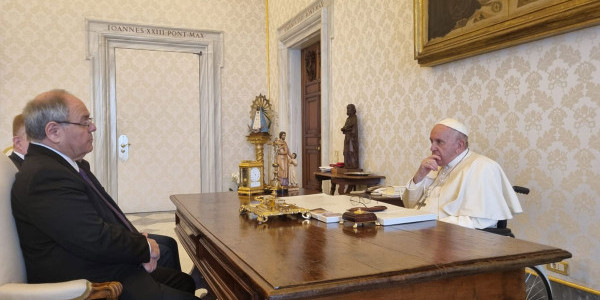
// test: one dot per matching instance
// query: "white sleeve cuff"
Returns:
(413, 186)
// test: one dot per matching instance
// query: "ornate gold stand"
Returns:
(271, 206)
(258, 139)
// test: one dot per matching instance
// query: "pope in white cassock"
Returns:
(459, 185)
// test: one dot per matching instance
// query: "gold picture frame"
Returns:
(464, 28)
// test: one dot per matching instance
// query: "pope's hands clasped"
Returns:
(431, 163)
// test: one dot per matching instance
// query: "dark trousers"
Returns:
(162, 284)
(169, 252)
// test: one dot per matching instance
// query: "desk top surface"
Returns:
(286, 252)
(342, 175)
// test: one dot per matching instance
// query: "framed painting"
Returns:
(448, 30)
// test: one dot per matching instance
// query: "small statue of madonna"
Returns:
(261, 115)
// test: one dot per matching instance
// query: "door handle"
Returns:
(123, 147)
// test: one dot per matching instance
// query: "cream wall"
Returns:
(42, 46)
(534, 108)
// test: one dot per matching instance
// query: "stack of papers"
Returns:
(401, 215)
(329, 209)
(325, 168)
(325, 215)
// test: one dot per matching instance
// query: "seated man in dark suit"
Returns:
(169, 257)
(20, 141)
(68, 226)
(169, 252)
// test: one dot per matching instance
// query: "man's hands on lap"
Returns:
(154, 255)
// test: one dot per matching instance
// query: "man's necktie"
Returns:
(114, 209)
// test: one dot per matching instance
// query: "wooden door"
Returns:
(311, 114)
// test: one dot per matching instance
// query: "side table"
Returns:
(347, 183)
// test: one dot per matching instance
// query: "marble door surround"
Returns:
(312, 24)
(103, 38)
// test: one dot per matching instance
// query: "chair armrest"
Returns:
(74, 289)
(106, 290)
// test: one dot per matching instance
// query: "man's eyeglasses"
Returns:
(85, 123)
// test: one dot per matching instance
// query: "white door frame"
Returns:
(313, 23)
(102, 39)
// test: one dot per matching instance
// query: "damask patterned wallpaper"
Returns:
(43, 47)
(535, 108)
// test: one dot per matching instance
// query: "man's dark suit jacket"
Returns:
(17, 160)
(65, 229)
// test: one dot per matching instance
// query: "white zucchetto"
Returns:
(454, 124)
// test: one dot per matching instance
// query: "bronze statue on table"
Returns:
(350, 130)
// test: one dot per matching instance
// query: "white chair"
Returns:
(13, 279)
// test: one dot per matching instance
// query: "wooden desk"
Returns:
(286, 258)
(346, 183)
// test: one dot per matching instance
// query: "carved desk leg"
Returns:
(342, 188)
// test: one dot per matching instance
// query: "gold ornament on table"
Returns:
(270, 205)
(251, 177)
(261, 116)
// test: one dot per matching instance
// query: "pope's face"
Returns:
(444, 143)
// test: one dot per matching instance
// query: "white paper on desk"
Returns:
(336, 204)
(323, 207)
(401, 215)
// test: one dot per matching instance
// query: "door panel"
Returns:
(311, 114)
(312, 126)
(157, 95)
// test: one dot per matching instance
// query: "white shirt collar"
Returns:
(457, 159)
(68, 159)
(19, 154)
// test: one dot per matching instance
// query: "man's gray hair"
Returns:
(43, 109)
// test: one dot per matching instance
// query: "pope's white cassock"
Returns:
(471, 191)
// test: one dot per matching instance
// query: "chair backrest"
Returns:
(13, 266)
(7, 150)
(501, 227)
